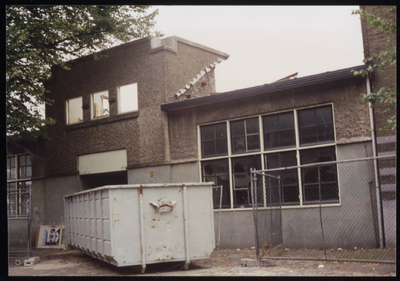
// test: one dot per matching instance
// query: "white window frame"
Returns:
(92, 109)
(263, 152)
(246, 135)
(67, 113)
(136, 97)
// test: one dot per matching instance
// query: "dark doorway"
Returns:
(96, 180)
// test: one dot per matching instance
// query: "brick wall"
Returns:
(374, 41)
(350, 113)
(159, 73)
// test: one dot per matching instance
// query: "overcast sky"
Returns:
(267, 43)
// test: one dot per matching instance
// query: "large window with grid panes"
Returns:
(19, 173)
(229, 149)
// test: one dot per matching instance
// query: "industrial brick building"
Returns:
(147, 112)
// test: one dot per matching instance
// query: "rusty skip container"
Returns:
(137, 224)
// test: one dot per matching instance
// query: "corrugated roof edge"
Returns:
(266, 88)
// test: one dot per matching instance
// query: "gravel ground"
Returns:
(226, 262)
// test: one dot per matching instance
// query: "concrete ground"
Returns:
(226, 262)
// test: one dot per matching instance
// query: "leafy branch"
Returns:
(39, 37)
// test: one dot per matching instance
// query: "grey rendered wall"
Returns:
(237, 229)
(188, 172)
(56, 188)
(156, 174)
(350, 225)
(38, 207)
(177, 173)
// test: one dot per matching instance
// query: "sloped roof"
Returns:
(264, 89)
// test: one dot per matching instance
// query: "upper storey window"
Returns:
(279, 131)
(245, 135)
(100, 105)
(214, 140)
(74, 110)
(316, 125)
(127, 98)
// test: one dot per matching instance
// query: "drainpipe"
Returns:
(377, 191)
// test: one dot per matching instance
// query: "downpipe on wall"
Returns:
(377, 191)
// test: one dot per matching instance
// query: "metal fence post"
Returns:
(219, 218)
(280, 209)
(29, 222)
(320, 210)
(252, 184)
(379, 207)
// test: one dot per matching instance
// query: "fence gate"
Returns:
(331, 210)
(267, 221)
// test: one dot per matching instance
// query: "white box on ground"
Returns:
(31, 261)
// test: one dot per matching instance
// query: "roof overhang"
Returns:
(264, 89)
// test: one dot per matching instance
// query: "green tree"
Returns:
(39, 37)
(379, 62)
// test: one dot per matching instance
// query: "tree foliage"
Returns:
(39, 37)
(379, 62)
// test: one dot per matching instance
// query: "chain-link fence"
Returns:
(19, 223)
(325, 211)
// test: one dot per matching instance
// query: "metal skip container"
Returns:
(135, 224)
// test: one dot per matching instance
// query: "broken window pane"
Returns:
(74, 110)
(218, 172)
(100, 105)
(289, 192)
(127, 98)
(241, 180)
(319, 183)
